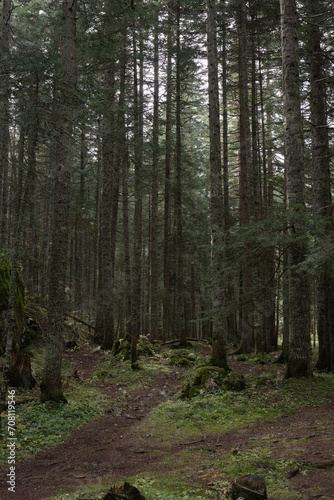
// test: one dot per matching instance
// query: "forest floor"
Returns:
(120, 445)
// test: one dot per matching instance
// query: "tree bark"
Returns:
(4, 117)
(104, 330)
(299, 362)
(154, 275)
(167, 191)
(216, 196)
(180, 320)
(246, 322)
(137, 221)
(322, 198)
(51, 386)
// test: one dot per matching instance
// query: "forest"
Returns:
(166, 181)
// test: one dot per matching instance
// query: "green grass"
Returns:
(40, 426)
(120, 372)
(223, 411)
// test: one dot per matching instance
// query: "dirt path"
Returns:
(111, 448)
(105, 448)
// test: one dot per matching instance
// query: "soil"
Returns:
(111, 448)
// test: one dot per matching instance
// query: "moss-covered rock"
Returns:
(205, 377)
(212, 378)
(19, 312)
(242, 357)
(182, 358)
(262, 380)
(234, 381)
(145, 348)
(121, 347)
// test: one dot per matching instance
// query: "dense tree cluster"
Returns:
(165, 168)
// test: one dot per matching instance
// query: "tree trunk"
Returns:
(180, 320)
(246, 325)
(216, 198)
(79, 232)
(154, 275)
(299, 362)
(137, 221)
(167, 192)
(322, 198)
(4, 117)
(126, 245)
(104, 328)
(51, 386)
(229, 286)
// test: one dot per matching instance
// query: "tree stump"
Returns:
(126, 492)
(249, 487)
(20, 373)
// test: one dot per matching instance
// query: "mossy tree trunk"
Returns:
(15, 304)
(10, 333)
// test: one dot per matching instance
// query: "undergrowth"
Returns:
(223, 411)
(43, 425)
(180, 422)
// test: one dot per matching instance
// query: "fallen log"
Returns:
(175, 341)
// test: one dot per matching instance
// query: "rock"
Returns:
(126, 492)
(211, 378)
(234, 382)
(202, 378)
(249, 487)
(20, 373)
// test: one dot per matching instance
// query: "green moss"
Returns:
(193, 392)
(264, 380)
(144, 349)
(116, 347)
(121, 347)
(234, 382)
(19, 311)
(182, 358)
(206, 372)
(242, 357)
(215, 361)
(102, 373)
(200, 378)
